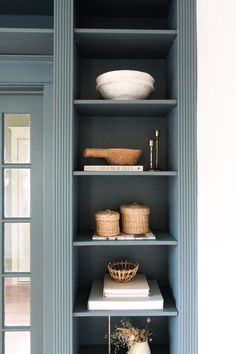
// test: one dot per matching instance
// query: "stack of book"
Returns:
(138, 294)
(148, 236)
(137, 287)
(113, 168)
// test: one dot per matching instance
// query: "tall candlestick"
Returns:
(157, 150)
(151, 154)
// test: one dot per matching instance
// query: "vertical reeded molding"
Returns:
(187, 111)
(62, 176)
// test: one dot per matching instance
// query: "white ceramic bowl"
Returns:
(125, 85)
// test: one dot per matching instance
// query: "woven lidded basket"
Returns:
(107, 223)
(135, 218)
(123, 271)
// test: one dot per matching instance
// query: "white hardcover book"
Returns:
(148, 236)
(125, 295)
(137, 287)
(113, 168)
(96, 300)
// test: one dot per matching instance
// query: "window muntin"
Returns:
(16, 318)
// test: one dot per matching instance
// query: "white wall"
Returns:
(217, 175)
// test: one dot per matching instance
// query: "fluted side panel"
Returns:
(62, 174)
(187, 91)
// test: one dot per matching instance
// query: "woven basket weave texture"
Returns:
(107, 223)
(123, 271)
(135, 218)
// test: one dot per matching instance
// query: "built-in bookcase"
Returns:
(87, 38)
(139, 35)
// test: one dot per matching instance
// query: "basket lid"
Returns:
(134, 209)
(107, 215)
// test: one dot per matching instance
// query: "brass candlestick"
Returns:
(157, 150)
(151, 154)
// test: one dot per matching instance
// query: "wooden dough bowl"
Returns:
(115, 156)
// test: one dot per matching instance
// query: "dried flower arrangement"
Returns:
(125, 335)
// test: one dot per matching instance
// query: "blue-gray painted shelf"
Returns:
(124, 43)
(81, 310)
(84, 238)
(128, 173)
(139, 108)
(26, 41)
(102, 349)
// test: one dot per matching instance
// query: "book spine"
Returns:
(122, 238)
(111, 168)
(134, 305)
(138, 292)
(115, 296)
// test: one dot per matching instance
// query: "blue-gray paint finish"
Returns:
(26, 21)
(27, 75)
(25, 41)
(62, 176)
(48, 246)
(117, 43)
(36, 225)
(25, 70)
(1, 234)
(27, 7)
(184, 335)
(187, 208)
(33, 104)
(152, 108)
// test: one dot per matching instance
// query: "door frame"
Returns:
(24, 75)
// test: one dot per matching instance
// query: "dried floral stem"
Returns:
(127, 336)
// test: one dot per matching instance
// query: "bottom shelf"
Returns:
(103, 349)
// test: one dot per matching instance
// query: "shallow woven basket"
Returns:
(107, 223)
(123, 271)
(135, 218)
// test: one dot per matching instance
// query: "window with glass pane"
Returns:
(17, 192)
(16, 138)
(17, 301)
(17, 247)
(17, 342)
(16, 235)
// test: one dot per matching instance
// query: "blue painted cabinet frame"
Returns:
(29, 72)
(184, 327)
(26, 75)
(33, 104)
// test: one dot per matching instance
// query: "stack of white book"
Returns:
(148, 236)
(138, 294)
(137, 287)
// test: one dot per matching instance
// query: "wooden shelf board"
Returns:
(81, 310)
(139, 108)
(26, 41)
(123, 174)
(124, 43)
(102, 349)
(84, 238)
